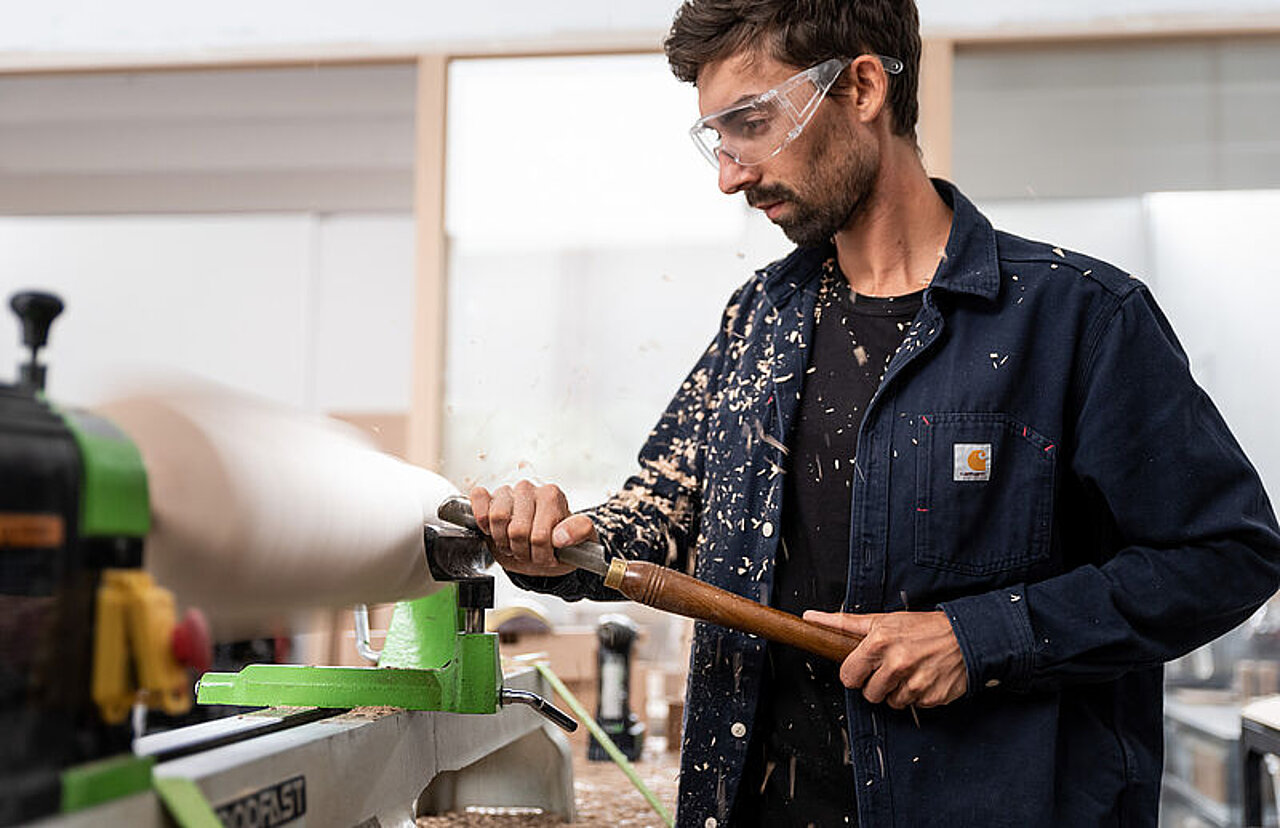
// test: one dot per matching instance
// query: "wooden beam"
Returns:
(387, 429)
(233, 57)
(128, 63)
(937, 71)
(426, 410)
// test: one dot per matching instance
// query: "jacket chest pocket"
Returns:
(984, 493)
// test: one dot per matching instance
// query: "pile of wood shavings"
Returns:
(605, 798)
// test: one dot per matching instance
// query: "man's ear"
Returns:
(868, 88)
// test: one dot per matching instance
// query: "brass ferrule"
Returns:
(617, 568)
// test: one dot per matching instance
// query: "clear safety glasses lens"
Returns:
(758, 129)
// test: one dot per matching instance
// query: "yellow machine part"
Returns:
(133, 628)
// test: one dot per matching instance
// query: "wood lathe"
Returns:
(248, 511)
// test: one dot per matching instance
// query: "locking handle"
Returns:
(557, 716)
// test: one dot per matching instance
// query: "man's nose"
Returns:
(734, 177)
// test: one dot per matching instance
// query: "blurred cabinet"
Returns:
(1260, 760)
(1201, 786)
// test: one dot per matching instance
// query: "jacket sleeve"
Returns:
(655, 515)
(1200, 548)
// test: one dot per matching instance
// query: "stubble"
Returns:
(839, 179)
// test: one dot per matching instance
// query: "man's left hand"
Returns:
(905, 658)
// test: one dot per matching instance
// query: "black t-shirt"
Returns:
(798, 768)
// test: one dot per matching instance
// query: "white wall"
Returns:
(1220, 286)
(1114, 230)
(199, 293)
(31, 30)
(363, 312)
(312, 311)
(251, 226)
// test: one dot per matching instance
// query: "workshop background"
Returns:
(479, 232)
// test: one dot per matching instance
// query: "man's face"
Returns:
(815, 186)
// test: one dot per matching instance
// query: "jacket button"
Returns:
(993, 682)
(738, 729)
(710, 823)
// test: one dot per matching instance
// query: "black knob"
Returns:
(617, 631)
(37, 311)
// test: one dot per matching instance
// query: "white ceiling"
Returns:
(149, 27)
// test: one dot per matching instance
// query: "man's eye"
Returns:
(749, 127)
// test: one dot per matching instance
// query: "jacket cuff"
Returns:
(569, 587)
(994, 631)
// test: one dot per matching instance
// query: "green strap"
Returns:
(184, 801)
(603, 738)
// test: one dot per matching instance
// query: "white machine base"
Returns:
(367, 768)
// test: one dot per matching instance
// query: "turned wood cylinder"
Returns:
(260, 512)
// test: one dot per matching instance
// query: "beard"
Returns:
(829, 197)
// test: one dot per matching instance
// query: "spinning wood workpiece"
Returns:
(259, 510)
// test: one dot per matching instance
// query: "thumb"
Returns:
(848, 622)
(573, 530)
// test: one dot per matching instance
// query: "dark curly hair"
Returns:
(801, 33)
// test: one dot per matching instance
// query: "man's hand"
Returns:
(905, 658)
(526, 524)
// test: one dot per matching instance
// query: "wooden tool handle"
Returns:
(672, 591)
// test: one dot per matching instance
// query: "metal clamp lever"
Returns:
(557, 716)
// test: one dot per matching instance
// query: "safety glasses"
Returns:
(758, 129)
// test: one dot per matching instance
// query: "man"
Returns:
(984, 454)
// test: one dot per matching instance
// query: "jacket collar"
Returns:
(972, 264)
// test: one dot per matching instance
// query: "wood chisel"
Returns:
(671, 591)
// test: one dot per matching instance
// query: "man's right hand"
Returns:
(526, 524)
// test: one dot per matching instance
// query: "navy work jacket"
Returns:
(1037, 462)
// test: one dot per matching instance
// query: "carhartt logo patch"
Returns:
(972, 462)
